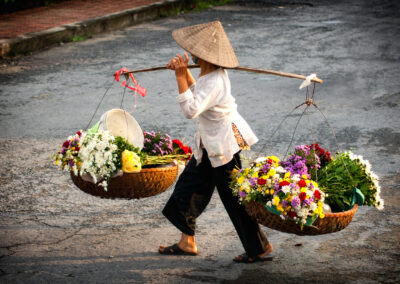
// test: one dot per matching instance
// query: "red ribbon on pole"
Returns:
(142, 91)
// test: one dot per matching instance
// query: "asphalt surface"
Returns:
(53, 232)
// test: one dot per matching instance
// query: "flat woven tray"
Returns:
(148, 182)
(333, 222)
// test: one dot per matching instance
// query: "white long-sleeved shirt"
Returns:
(210, 102)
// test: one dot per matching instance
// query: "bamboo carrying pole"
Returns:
(239, 68)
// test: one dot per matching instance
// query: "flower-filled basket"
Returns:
(310, 193)
(109, 166)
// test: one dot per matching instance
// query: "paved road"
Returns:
(53, 232)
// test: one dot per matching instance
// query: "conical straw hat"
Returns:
(209, 42)
(121, 123)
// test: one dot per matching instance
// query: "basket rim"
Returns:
(343, 213)
(171, 166)
(328, 214)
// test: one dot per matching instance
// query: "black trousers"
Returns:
(193, 192)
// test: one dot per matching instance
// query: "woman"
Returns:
(220, 135)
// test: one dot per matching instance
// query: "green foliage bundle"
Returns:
(345, 172)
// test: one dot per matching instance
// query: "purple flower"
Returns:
(253, 181)
(284, 203)
(242, 194)
(307, 201)
(295, 201)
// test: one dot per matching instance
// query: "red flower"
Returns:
(302, 183)
(190, 150)
(185, 149)
(302, 196)
(317, 194)
(77, 148)
(79, 133)
(66, 144)
(283, 183)
(178, 143)
(328, 155)
(292, 214)
(261, 181)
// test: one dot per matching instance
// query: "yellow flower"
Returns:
(267, 191)
(130, 162)
(255, 175)
(271, 173)
(304, 177)
(276, 200)
(271, 191)
(240, 180)
(287, 175)
(322, 215)
(274, 158)
(303, 189)
(264, 177)
(315, 184)
(279, 207)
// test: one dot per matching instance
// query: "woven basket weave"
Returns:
(148, 182)
(333, 222)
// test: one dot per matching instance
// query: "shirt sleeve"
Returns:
(203, 97)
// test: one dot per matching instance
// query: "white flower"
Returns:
(269, 204)
(260, 160)
(280, 170)
(313, 206)
(286, 189)
(97, 155)
(379, 203)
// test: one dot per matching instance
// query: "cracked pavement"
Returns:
(53, 232)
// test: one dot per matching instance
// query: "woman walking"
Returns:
(221, 133)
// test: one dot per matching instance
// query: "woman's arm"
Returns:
(183, 76)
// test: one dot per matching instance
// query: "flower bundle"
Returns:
(288, 194)
(306, 160)
(180, 148)
(323, 155)
(99, 156)
(161, 149)
(157, 143)
(67, 158)
(345, 172)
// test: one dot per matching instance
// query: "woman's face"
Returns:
(194, 59)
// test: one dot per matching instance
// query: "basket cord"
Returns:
(282, 121)
(308, 102)
(98, 105)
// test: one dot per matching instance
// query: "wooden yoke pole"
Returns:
(239, 68)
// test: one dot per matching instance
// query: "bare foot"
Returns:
(268, 250)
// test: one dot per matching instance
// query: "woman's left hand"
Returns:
(179, 64)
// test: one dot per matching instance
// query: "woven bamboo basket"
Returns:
(148, 182)
(333, 222)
